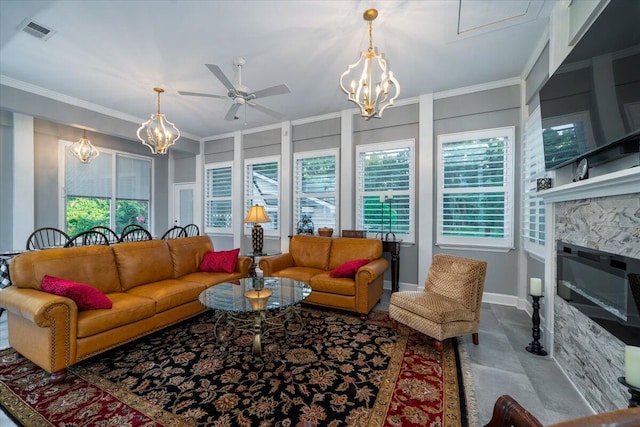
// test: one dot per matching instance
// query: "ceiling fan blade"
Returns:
(220, 75)
(202, 94)
(266, 110)
(270, 91)
(231, 114)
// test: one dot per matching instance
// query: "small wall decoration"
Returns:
(543, 184)
(305, 225)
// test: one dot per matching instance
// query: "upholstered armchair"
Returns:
(449, 306)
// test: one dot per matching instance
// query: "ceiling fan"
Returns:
(240, 94)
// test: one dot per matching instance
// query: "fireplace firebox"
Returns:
(603, 286)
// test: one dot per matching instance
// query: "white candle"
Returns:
(632, 365)
(536, 286)
(382, 196)
(390, 194)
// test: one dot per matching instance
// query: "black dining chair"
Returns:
(130, 227)
(112, 236)
(174, 232)
(192, 230)
(47, 237)
(135, 235)
(87, 238)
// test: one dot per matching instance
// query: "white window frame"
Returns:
(207, 167)
(63, 148)
(408, 238)
(300, 195)
(505, 243)
(533, 168)
(268, 230)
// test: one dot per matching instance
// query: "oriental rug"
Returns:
(341, 371)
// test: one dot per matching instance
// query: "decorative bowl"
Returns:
(325, 231)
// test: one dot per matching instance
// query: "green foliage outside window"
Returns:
(86, 212)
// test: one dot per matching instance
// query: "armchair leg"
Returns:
(439, 346)
(476, 339)
(58, 377)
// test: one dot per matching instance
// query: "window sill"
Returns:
(469, 247)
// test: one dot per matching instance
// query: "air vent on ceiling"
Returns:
(36, 30)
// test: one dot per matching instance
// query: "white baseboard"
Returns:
(500, 299)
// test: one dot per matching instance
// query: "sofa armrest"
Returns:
(243, 265)
(34, 305)
(271, 264)
(370, 272)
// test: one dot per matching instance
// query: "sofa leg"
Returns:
(476, 339)
(439, 346)
(364, 317)
(58, 377)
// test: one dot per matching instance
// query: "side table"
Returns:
(393, 247)
(253, 256)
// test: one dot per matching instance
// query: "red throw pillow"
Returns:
(221, 261)
(85, 296)
(349, 268)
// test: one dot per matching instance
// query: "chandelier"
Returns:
(369, 82)
(83, 149)
(158, 133)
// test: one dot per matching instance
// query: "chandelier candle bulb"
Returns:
(632, 365)
(535, 286)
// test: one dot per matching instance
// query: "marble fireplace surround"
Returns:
(601, 213)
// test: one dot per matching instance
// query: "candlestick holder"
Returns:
(634, 402)
(535, 347)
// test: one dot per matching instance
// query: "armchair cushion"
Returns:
(220, 261)
(86, 297)
(348, 269)
(435, 307)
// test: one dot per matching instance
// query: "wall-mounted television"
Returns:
(590, 106)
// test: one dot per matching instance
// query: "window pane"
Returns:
(474, 215)
(91, 180)
(218, 182)
(262, 179)
(479, 163)
(321, 211)
(386, 169)
(316, 175)
(315, 190)
(133, 178)
(218, 214)
(131, 212)
(86, 212)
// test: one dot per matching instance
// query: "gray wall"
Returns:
(184, 169)
(485, 110)
(6, 180)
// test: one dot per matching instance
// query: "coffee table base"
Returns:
(262, 324)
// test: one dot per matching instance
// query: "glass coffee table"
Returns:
(274, 302)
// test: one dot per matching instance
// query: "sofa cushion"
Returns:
(220, 261)
(86, 297)
(346, 249)
(340, 286)
(301, 274)
(126, 309)
(85, 264)
(169, 293)
(348, 269)
(210, 279)
(143, 262)
(311, 251)
(187, 253)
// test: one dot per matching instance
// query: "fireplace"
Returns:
(603, 286)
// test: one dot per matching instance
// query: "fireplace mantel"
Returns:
(625, 181)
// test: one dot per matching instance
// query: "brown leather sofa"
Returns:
(311, 258)
(151, 284)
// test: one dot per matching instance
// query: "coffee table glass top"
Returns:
(247, 295)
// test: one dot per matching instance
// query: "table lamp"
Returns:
(256, 215)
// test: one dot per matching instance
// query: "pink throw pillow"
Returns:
(221, 261)
(348, 269)
(85, 296)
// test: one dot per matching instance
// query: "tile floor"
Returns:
(500, 365)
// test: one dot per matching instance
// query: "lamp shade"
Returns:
(256, 214)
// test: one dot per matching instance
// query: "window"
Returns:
(218, 192)
(262, 187)
(533, 210)
(566, 137)
(385, 189)
(114, 190)
(475, 189)
(315, 192)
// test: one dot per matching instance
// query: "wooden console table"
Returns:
(393, 247)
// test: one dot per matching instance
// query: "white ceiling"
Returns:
(111, 54)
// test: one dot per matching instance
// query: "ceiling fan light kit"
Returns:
(158, 133)
(239, 93)
(369, 83)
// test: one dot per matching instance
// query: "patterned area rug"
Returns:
(340, 372)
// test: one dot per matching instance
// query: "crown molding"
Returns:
(478, 88)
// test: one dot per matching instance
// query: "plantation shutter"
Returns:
(315, 189)
(218, 197)
(475, 188)
(262, 187)
(533, 210)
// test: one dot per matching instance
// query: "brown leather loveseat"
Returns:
(151, 284)
(311, 258)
